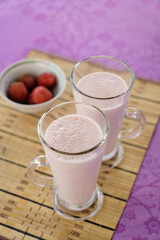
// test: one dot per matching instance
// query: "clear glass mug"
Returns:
(75, 174)
(114, 107)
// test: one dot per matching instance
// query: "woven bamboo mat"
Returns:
(25, 209)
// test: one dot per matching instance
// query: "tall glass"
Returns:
(114, 106)
(75, 173)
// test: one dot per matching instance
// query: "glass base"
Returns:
(81, 213)
(109, 163)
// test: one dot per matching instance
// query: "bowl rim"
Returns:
(28, 61)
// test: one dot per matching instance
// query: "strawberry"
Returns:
(28, 80)
(30, 99)
(40, 94)
(17, 92)
(47, 80)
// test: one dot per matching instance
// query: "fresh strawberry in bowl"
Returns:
(28, 80)
(32, 86)
(47, 80)
(40, 94)
(17, 92)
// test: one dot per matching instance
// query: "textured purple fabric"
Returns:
(129, 30)
(141, 218)
(75, 29)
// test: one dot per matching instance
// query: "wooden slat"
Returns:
(119, 185)
(132, 159)
(147, 90)
(42, 222)
(11, 234)
(26, 210)
(150, 109)
(143, 140)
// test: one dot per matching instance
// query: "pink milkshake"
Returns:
(106, 83)
(75, 175)
(101, 85)
(73, 145)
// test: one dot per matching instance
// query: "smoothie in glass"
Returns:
(105, 85)
(76, 176)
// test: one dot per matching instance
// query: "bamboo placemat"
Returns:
(25, 209)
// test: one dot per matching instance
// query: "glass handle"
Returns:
(138, 129)
(36, 177)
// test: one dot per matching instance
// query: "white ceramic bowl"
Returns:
(34, 67)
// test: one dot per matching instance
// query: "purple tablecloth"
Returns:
(129, 30)
(141, 217)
